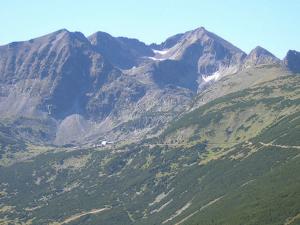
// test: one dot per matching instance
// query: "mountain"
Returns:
(122, 52)
(260, 56)
(66, 88)
(197, 131)
(55, 70)
(71, 86)
(62, 88)
(62, 81)
(292, 61)
(202, 50)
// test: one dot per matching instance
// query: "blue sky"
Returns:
(273, 24)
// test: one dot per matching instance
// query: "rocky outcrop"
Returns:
(122, 52)
(204, 51)
(55, 74)
(292, 61)
(260, 56)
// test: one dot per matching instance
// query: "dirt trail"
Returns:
(292, 220)
(202, 208)
(279, 146)
(77, 216)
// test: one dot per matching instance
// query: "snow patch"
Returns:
(156, 59)
(161, 52)
(159, 55)
(214, 77)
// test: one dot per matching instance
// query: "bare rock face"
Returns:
(202, 50)
(51, 74)
(260, 56)
(292, 61)
(58, 75)
(122, 52)
(169, 43)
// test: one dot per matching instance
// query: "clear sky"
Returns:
(273, 24)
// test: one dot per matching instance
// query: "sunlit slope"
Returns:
(241, 80)
(234, 160)
(271, 191)
(237, 117)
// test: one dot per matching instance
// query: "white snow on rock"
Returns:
(159, 55)
(156, 59)
(161, 52)
(214, 77)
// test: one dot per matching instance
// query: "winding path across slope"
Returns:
(279, 146)
(77, 216)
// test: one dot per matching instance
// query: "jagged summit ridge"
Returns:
(201, 49)
(292, 61)
(105, 85)
(122, 52)
(260, 56)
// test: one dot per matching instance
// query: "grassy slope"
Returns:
(219, 174)
(270, 198)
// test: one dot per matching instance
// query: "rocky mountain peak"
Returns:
(260, 56)
(202, 50)
(102, 81)
(99, 37)
(292, 61)
(122, 52)
(168, 43)
(63, 37)
(197, 33)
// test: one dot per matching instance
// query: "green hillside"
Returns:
(234, 160)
